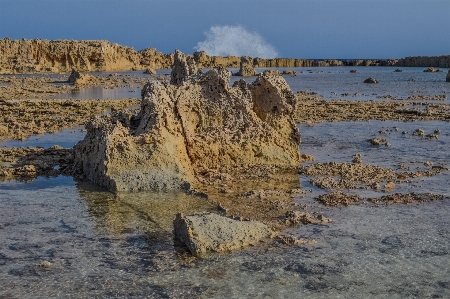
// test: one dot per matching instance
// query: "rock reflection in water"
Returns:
(145, 211)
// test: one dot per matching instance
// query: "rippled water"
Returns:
(65, 138)
(103, 245)
(332, 82)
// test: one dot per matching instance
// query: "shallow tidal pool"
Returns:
(102, 245)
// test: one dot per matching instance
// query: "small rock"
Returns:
(289, 72)
(371, 80)
(56, 147)
(289, 239)
(306, 158)
(419, 132)
(398, 71)
(45, 265)
(389, 186)
(352, 71)
(357, 159)
(150, 71)
(376, 141)
(211, 232)
(375, 186)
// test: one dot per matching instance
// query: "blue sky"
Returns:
(295, 28)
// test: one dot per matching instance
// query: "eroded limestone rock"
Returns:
(246, 68)
(206, 232)
(183, 67)
(77, 78)
(198, 122)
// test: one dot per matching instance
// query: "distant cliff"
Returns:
(56, 56)
(28, 56)
(426, 61)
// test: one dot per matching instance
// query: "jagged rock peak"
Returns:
(183, 67)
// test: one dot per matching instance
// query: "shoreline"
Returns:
(61, 56)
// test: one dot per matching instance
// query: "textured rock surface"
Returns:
(183, 67)
(426, 61)
(31, 56)
(78, 78)
(37, 55)
(197, 123)
(246, 68)
(371, 80)
(211, 232)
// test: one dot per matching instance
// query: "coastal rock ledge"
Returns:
(195, 123)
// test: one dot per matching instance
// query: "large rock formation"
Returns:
(25, 56)
(205, 232)
(197, 123)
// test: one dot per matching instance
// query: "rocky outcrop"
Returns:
(371, 80)
(198, 122)
(246, 68)
(33, 56)
(28, 56)
(425, 61)
(78, 78)
(150, 71)
(290, 72)
(151, 58)
(202, 233)
(183, 67)
(448, 76)
(432, 70)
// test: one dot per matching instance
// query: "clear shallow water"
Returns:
(339, 141)
(331, 82)
(65, 138)
(98, 92)
(105, 245)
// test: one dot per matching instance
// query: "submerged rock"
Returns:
(290, 72)
(371, 80)
(205, 232)
(432, 70)
(197, 122)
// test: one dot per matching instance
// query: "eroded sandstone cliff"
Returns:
(35, 56)
(27, 56)
(425, 61)
(197, 123)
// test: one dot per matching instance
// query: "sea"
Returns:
(105, 245)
